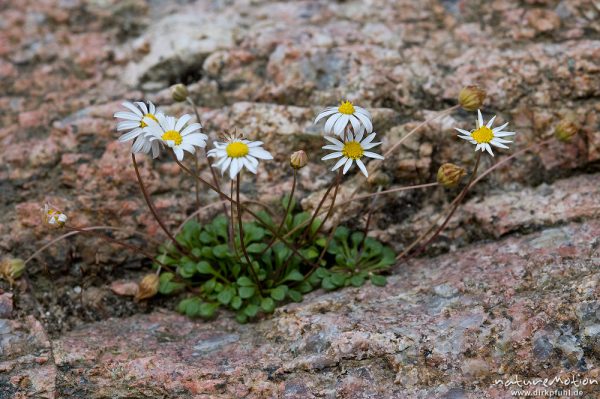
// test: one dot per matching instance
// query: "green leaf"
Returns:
(236, 302)
(285, 200)
(241, 317)
(245, 281)
(251, 310)
(357, 238)
(207, 253)
(341, 233)
(278, 293)
(357, 280)
(267, 305)
(300, 218)
(253, 233)
(263, 216)
(378, 280)
(187, 270)
(225, 296)
(338, 279)
(220, 226)
(246, 292)
(209, 285)
(322, 272)
(166, 286)
(207, 310)
(256, 248)
(304, 287)
(207, 238)
(221, 251)
(310, 253)
(204, 267)
(295, 296)
(294, 275)
(327, 284)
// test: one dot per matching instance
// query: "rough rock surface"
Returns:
(517, 295)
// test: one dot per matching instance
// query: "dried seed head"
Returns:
(379, 178)
(566, 129)
(179, 92)
(449, 175)
(53, 217)
(298, 160)
(148, 287)
(11, 269)
(471, 97)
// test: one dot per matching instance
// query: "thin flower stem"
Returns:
(193, 215)
(197, 185)
(232, 224)
(457, 202)
(212, 171)
(366, 230)
(72, 233)
(153, 209)
(331, 207)
(241, 228)
(287, 212)
(317, 209)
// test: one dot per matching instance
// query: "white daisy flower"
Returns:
(53, 216)
(338, 118)
(133, 121)
(236, 153)
(352, 150)
(173, 133)
(484, 135)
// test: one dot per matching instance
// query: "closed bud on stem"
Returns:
(379, 178)
(449, 175)
(471, 98)
(179, 92)
(298, 160)
(148, 287)
(565, 130)
(11, 269)
(53, 217)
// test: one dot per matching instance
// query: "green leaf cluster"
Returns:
(219, 276)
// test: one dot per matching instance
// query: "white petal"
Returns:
(499, 140)
(491, 121)
(234, 168)
(479, 119)
(225, 165)
(362, 167)
(130, 135)
(254, 144)
(497, 144)
(355, 127)
(331, 121)
(369, 138)
(132, 108)
(365, 121)
(151, 108)
(182, 121)
(468, 138)
(127, 116)
(499, 128)
(372, 155)
(466, 133)
(178, 153)
(260, 153)
(325, 113)
(504, 134)
(340, 125)
(339, 163)
(249, 165)
(332, 156)
(127, 125)
(187, 147)
(334, 141)
(142, 107)
(361, 110)
(370, 145)
(488, 148)
(155, 149)
(197, 139)
(347, 165)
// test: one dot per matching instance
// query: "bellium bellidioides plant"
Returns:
(254, 256)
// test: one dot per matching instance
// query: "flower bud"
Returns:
(53, 217)
(11, 269)
(148, 287)
(565, 130)
(379, 178)
(298, 160)
(471, 97)
(179, 92)
(449, 175)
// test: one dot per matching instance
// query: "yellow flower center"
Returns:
(352, 150)
(144, 124)
(172, 135)
(483, 135)
(237, 149)
(346, 107)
